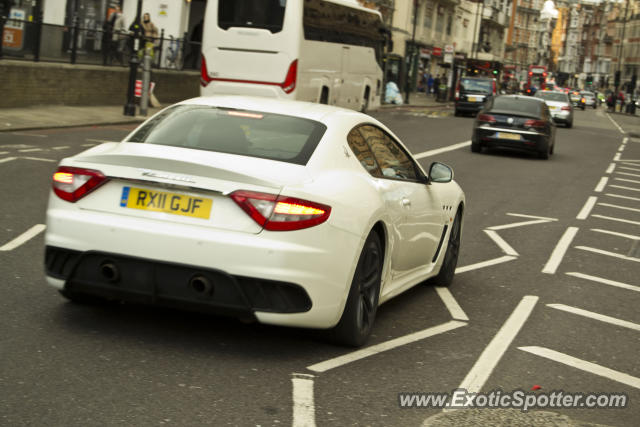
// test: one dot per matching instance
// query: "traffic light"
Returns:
(589, 79)
(616, 80)
(495, 72)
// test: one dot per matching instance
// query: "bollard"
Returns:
(146, 79)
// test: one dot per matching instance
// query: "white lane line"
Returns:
(635, 181)
(532, 216)
(583, 365)
(625, 188)
(611, 168)
(596, 316)
(3, 153)
(451, 304)
(625, 140)
(518, 224)
(442, 150)
(605, 281)
(623, 197)
(492, 354)
(506, 248)
(621, 148)
(7, 159)
(40, 159)
(630, 162)
(30, 150)
(608, 253)
(586, 209)
(601, 184)
(62, 147)
(304, 410)
(616, 158)
(385, 346)
(101, 141)
(558, 252)
(24, 237)
(629, 169)
(615, 124)
(483, 264)
(610, 218)
(39, 135)
(613, 233)
(619, 207)
(628, 174)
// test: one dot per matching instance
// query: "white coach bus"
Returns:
(326, 51)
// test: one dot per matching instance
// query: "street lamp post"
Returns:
(412, 52)
(134, 32)
(624, 25)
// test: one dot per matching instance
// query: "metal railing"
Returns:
(37, 41)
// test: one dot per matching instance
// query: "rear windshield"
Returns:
(553, 96)
(247, 133)
(517, 105)
(266, 14)
(472, 85)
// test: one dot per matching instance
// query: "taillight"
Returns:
(289, 83)
(280, 213)
(531, 123)
(204, 74)
(487, 118)
(72, 184)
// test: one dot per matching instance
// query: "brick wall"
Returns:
(23, 84)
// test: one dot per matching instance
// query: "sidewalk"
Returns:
(419, 100)
(60, 116)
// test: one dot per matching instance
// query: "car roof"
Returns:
(307, 110)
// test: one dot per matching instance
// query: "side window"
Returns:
(363, 153)
(392, 160)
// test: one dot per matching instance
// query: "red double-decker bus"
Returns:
(536, 78)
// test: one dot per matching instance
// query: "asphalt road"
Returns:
(574, 258)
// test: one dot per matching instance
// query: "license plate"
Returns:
(161, 201)
(504, 135)
(472, 99)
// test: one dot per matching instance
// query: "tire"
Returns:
(553, 146)
(475, 147)
(359, 313)
(569, 124)
(544, 155)
(448, 268)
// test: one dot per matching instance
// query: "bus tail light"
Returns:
(204, 74)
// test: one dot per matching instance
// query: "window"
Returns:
(449, 22)
(267, 14)
(393, 162)
(428, 15)
(363, 153)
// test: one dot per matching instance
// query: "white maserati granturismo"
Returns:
(288, 213)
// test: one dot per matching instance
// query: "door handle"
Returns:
(406, 202)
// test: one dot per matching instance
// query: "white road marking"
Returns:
(492, 354)
(506, 248)
(628, 174)
(616, 158)
(586, 209)
(596, 316)
(442, 150)
(621, 148)
(62, 147)
(483, 264)
(615, 124)
(625, 140)
(3, 153)
(613, 233)
(605, 281)
(89, 145)
(601, 184)
(7, 159)
(608, 253)
(517, 224)
(385, 346)
(451, 304)
(623, 197)
(624, 188)
(40, 159)
(304, 410)
(39, 135)
(619, 207)
(610, 218)
(635, 181)
(630, 161)
(611, 168)
(29, 150)
(532, 216)
(630, 169)
(583, 365)
(24, 237)
(558, 252)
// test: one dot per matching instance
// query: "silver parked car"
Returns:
(589, 98)
(559, 105)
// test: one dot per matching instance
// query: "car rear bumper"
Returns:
(495, 138)
(561, 116)
(469, 107)
(298, 278)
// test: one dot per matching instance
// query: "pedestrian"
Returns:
(118, 32)
(430, 83)
(621, 99)
(436, 84)
(149, 36)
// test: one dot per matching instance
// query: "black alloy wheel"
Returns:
(448, 268)
(360, 309)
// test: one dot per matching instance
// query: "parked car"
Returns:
(559, 105)
(515, 122)
(284, 212)
(577, 99)
(589, 99)
(472, 93)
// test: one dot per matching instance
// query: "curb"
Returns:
(69, 126)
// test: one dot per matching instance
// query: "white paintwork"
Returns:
(611, 168)
(596, 316)
(452, 305)
(304, 411)
(558, 252)
(506, 248)
(611, 218)
(345, 70)
(495, 261)
(618, 196)
(605, 281)
(23, 238)
(586, 209)
(601, 184)
(619, 207)
(321, 259)
(442, 150)
(608, 253)
(613, 233)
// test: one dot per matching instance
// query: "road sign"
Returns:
(448, 48)
(436, 51)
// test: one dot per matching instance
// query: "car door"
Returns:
(416, 211)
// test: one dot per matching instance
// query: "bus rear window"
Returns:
(265, 14)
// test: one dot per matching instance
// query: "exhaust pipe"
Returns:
(109, 271)
(201, 285)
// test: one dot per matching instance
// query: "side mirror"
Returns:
(439, 172)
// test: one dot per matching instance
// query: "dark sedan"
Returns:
(515, 122)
